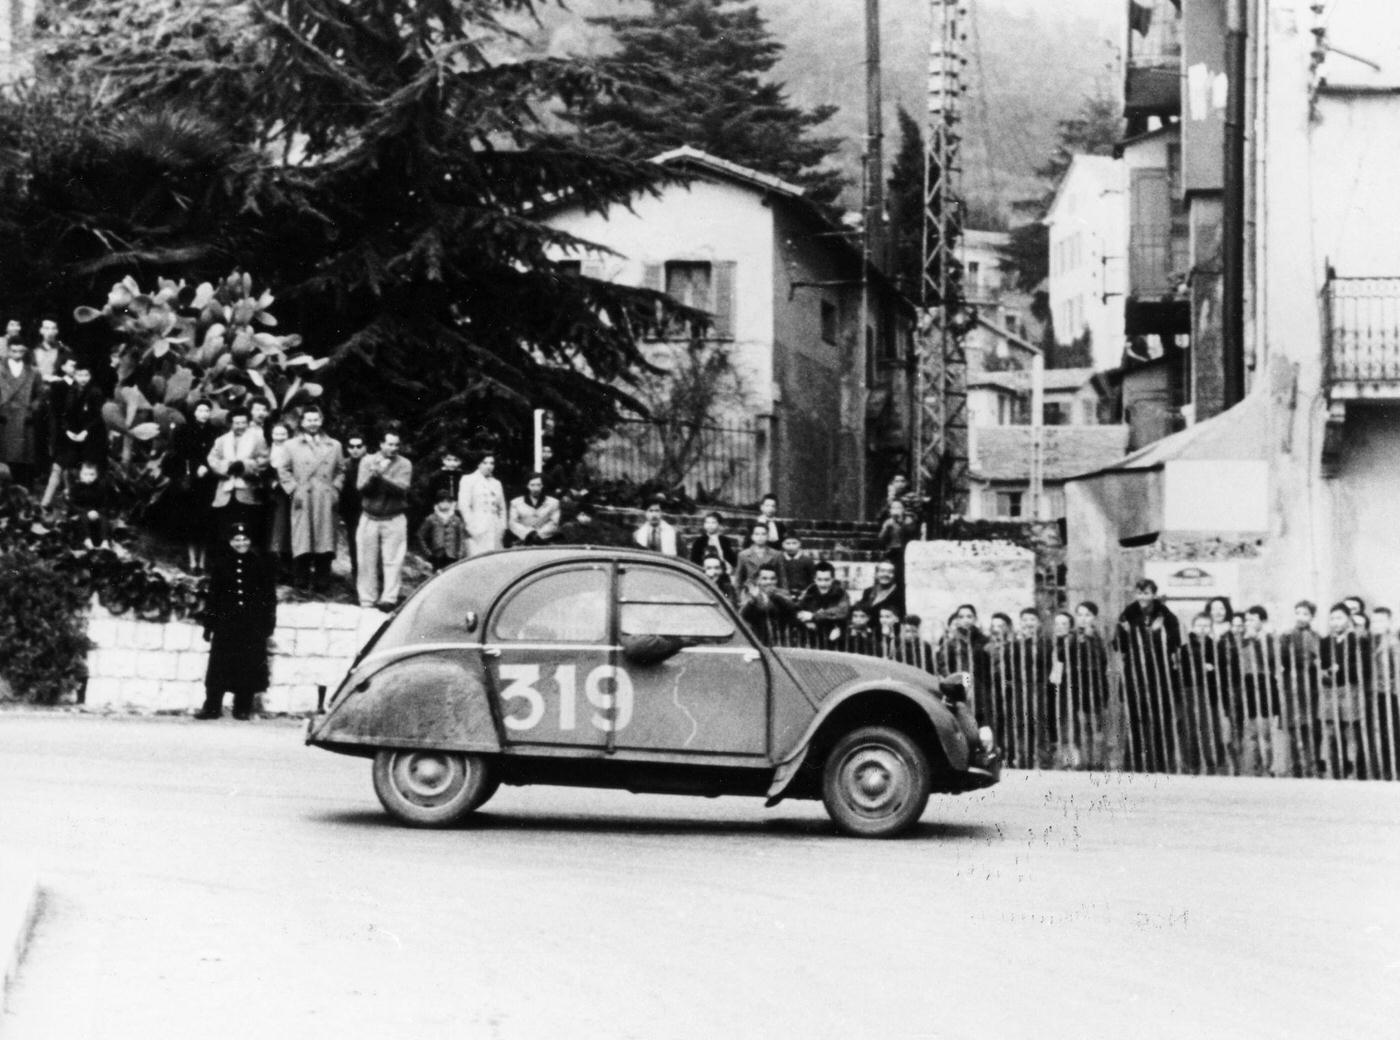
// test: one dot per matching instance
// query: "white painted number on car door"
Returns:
(607, 689)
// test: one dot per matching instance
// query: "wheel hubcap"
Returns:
(428, 779)
(876, 781)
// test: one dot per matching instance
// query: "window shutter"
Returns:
(654, 277)
(724, 299)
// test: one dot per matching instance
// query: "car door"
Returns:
(549, 654)
(695, 682)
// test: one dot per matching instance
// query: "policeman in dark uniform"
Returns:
(238, 621)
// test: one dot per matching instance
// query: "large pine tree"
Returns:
(696, 73)
(408, 167)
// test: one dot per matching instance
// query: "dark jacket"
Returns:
(796, 574)
(875, 599)
(242, 596)
(728, 550)
(1157, 619)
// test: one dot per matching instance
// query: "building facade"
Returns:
(1088, 225)
(820, 350)
(1293, 491)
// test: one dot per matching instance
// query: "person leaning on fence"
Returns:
(767, 609)
(1299, 649)
(914, 649)
(963, 648)
(897, 530)
(861, 636)
(886, 592)
(1385, 671)
(823, 608)
(1147, 635)
(1210, 738)
(1344, 666)
(1088, 683)
(1263, 745)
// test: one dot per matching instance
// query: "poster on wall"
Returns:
(1186, 585)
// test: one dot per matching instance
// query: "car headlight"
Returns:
(987, 738)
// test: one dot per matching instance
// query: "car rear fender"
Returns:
(419, 698)
(926, 717)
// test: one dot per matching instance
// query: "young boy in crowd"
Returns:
(442, 534)
(87, 499)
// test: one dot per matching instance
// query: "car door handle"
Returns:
(491, 651)
(750, 656)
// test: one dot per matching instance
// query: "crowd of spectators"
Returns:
(1230, 695)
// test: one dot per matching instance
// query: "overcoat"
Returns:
(240, 615)
(19, 399)
(312, 473)
(482, 503)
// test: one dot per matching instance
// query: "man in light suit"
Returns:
(482, 502)
(313, 473)
(238, 458)
(656, 534)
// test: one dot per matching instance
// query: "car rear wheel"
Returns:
(431, 788)
(875, 782)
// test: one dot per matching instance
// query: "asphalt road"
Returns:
(221, 880)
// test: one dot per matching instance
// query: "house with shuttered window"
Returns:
(784, 287)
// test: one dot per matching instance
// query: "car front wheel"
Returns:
(431, 788)
(875, 782)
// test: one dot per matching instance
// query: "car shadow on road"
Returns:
(605, 823)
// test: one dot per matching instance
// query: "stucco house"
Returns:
(789, 295)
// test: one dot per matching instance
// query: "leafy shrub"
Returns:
(43, 640)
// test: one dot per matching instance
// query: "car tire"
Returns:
(875, 782)
(431, 788)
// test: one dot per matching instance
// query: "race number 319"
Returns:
(607, 689)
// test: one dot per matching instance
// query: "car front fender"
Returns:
(871, 703)
(429, 699)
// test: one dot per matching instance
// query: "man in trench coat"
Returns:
(312, 473)
(482, 503)
(20, 390)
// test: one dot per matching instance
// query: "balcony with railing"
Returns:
(1152, 76)
(1363, 338)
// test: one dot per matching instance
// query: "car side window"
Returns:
(565, 606)
(652, 601)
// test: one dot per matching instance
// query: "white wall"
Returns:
(704, 220)
(1088, 251)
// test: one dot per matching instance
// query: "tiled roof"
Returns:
(1004, 452)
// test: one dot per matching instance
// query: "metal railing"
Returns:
(1296, 705)
(1363, 331)
(722, 463)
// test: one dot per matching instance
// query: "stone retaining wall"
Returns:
(156, 666)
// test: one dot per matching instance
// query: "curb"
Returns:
(19, 908)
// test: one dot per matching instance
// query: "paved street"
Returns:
(223, 880)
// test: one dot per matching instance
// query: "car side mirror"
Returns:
(650, 649)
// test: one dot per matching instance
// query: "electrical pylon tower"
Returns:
(941, 474)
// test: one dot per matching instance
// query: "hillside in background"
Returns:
(1029, 65)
